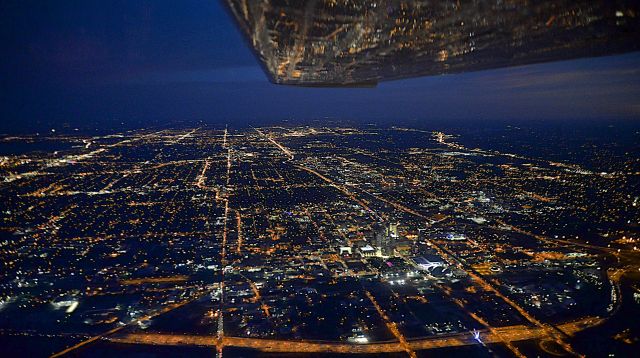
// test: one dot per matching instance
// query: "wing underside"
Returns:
(346, 43)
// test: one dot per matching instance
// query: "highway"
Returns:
(496, 335)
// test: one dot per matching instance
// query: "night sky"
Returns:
(105, 63)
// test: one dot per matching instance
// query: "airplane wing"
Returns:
(342, 43)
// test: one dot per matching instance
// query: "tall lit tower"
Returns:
(393, 230)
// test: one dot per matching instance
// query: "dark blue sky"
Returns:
(107, 62)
